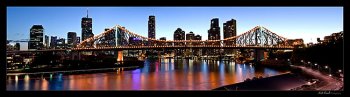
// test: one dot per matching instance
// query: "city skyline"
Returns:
(59, 21)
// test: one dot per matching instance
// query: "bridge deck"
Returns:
(161, 47)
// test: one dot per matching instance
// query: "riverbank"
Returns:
(280, 82)
(275, 64)
(91, 67)
(301, 78)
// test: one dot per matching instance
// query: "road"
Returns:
(331, 83)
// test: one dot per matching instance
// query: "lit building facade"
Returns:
(71, 39)
(190, 36)
(86, 27)
(151, 28)
(53, 42)
(214, 34)
(36, 37)
(179, 34)
(230, 30)
(61, 43)
(214, 31)
(47, 42)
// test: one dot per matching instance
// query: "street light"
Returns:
(340, 73)
(329, 70)
(309, 63)
(318, 66)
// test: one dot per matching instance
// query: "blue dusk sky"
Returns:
(307, 23)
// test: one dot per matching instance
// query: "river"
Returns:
(161, 74)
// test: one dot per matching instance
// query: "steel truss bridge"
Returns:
(118, 38)
(258, 37)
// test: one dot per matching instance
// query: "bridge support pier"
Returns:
(120, 55)
(259, 55)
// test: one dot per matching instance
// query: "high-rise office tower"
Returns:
(53, 42)
(230, 30)
(214, 34)
(151, 28)
(71, 39)
(86, 27)
(214, 31)
(179, 34)
(61, 43)
(36, 37)
(190, 36)
(47, 44)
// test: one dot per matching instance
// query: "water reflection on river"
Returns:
(162, 74)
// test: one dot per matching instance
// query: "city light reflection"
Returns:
(26, 82)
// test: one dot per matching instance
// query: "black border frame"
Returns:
(160, 3)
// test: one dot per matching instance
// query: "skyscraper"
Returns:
(197, 37)
(36, 37)
(71, 39)
(214, 34)
(151, 28)
(179, 34)
(214, 31)
(229, 31)
(198, 52)
(61, 43)
(190, 36)
(47, 45)
(163, 44)
(86, 27)
(53, 42)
